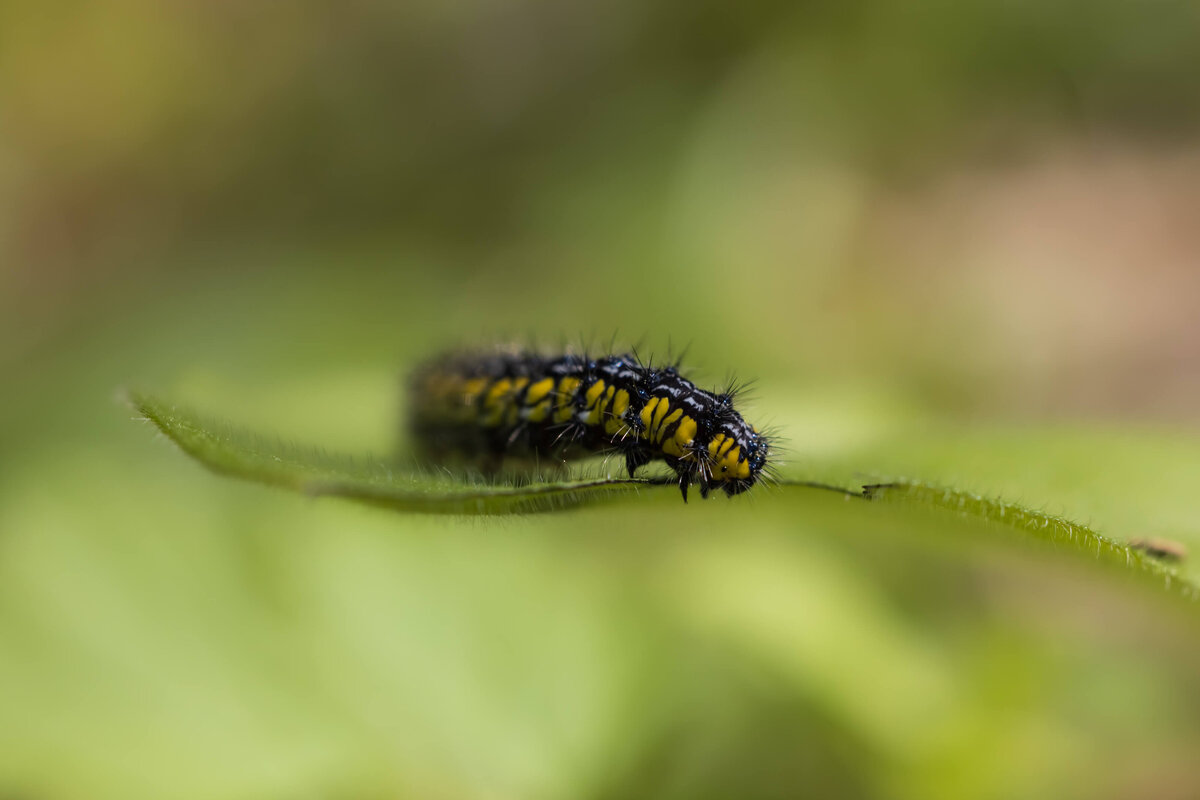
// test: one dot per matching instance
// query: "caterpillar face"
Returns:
(499, 404)
(736, 457)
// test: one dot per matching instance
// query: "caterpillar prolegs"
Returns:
(493, 404)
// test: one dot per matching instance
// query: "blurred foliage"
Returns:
(364, 113)
(954, 242)
(387, 482)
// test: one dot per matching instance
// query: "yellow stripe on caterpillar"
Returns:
(538, 412)
(671, 419)
(679, 445)
(539, 390)
(566, 398)
(593, 404)
(500, 404)
(620, 403)
(617, 403)
(647, 413)
(495, 395)
(471, 390)
(715, 445)
(664, 407)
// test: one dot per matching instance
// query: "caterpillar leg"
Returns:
(634, 458)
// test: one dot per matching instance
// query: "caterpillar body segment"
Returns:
(492, 405)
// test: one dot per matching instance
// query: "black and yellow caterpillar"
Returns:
(492, 404)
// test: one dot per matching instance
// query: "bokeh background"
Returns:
(955, 241)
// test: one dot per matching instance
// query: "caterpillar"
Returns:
(491, 405)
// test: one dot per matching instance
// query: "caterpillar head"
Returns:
(734, 458)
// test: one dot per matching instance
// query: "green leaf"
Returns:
(240, 454)
(1053, 530)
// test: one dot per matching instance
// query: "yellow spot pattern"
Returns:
(597, 397)
(647, 414)
(539, 411)
(498, 404)
(679, 444)
(566, 396)
(657, 419)
(724, 455)
(593, 393)
(616, 425)
(539, 390)
(664, 405)
(620, 403)
(468, 393)
(661, 429)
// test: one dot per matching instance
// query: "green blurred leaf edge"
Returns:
(237, 453)
(1056, 531)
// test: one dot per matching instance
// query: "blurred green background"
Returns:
(954, 241)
